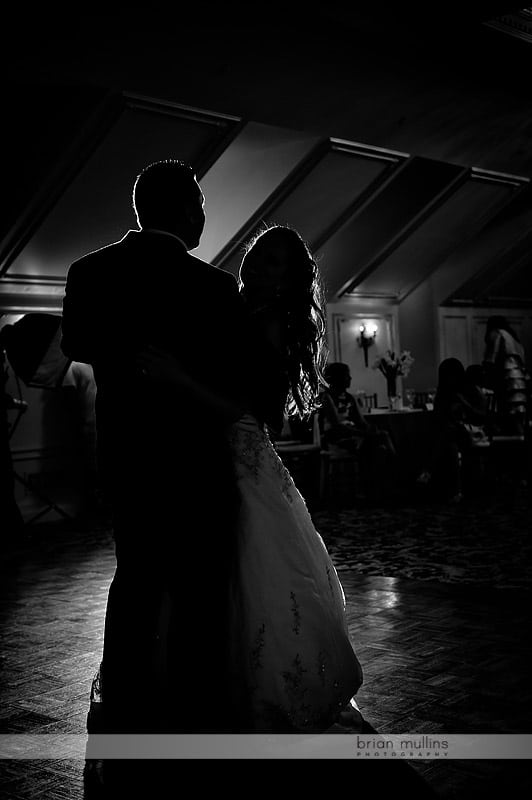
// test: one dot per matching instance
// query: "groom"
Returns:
(164, 461)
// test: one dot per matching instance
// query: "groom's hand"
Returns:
(155, 364)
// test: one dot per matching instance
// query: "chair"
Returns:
(367, 401)
(422, 398)
(491, 401)
(475, 465)
(303, 458)
(510, 454)
(341, 476)
(340, 472)
(505, 455)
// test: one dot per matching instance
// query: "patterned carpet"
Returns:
(486, 542)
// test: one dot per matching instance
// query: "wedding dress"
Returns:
(294, 667)
(292, 653)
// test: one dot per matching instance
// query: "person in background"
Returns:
(506, 373)
(458, 405)
(12, 521)
(343, 425)
(79, 385)
(475, 376)
(475, 391)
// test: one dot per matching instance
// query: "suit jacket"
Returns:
(146, 289)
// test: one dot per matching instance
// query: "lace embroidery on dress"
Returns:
(256, 651)
(290, 684)
(248, 447)
(251, 446)
(295, 612)
(321, 667)
(298, 711)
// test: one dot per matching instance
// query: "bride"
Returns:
(293, 665)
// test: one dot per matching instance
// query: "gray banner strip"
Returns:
(407, 746)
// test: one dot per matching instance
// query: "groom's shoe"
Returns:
(96, 719)
(350, 720)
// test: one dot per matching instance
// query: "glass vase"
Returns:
(391, 389)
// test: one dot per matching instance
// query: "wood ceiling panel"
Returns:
(506, 279)
(385, 220)
(319, 194)
(246, 175)
(463, 213)
(500, 257)
(95, 208)
(488, 245)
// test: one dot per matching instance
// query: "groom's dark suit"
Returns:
(166, 465)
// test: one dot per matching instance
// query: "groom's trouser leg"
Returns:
(175, 537)
(200, 629)
(129, 689)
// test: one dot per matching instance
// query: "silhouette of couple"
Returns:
(223, 588)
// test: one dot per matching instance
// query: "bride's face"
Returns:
(265, 268)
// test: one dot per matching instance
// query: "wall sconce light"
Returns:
(366, 337)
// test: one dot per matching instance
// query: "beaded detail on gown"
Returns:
(293, 655)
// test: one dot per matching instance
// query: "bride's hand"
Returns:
(155, 364)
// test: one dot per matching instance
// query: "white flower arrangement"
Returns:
(392, 365)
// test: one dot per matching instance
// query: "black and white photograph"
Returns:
(266, 359)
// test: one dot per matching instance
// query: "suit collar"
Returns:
(158, 232)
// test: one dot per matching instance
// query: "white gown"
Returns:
(293, 654)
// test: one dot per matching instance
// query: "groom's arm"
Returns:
(91, 329)
(77, 340)
(161, 367)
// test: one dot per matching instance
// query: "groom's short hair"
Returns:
(159, 188)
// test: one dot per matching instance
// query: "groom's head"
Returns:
(166, 196)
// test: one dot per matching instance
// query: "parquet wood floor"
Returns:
(438, 658)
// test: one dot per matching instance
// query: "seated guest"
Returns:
(342, 421)
(343, 426)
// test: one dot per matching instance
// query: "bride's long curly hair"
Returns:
(300, 299)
